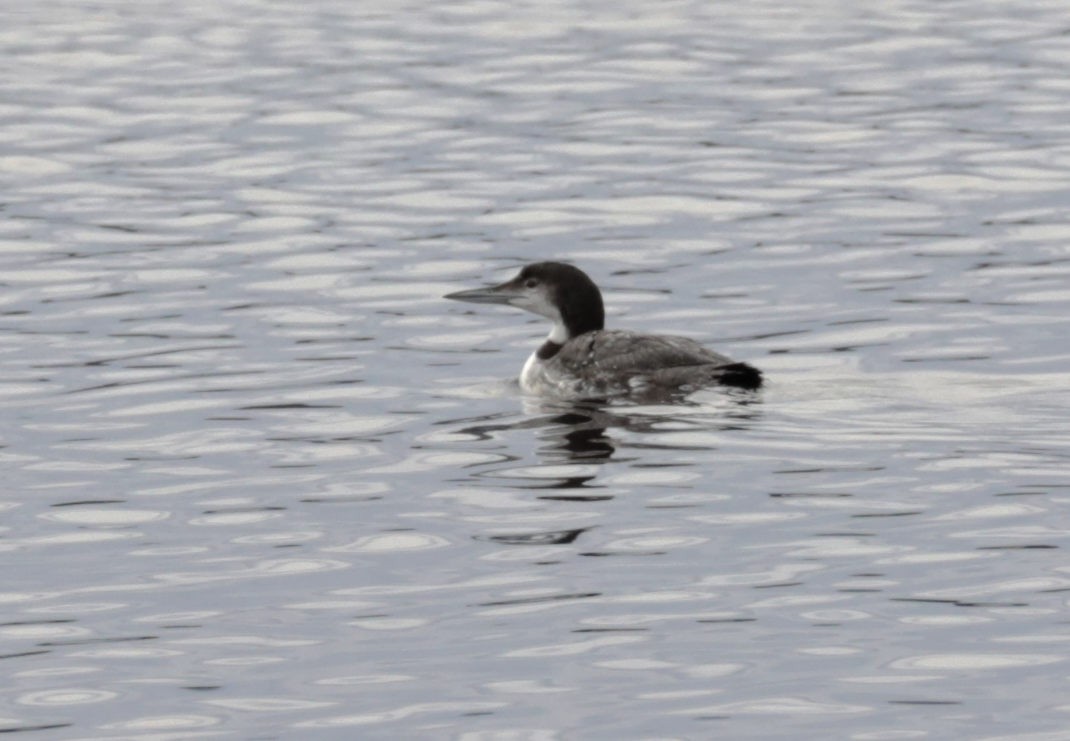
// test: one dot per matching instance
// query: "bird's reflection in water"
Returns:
(575, 439)
(578, 431)
(582, 437)
(581, 432)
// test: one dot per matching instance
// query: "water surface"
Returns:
(262, 482)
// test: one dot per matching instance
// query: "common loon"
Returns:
(580, 359)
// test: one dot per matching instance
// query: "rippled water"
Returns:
(262, 482)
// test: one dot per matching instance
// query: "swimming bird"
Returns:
(582, 359)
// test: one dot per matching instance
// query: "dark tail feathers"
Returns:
(739, 375)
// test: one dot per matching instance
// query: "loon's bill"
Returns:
(581, 359)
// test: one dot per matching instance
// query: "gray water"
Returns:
(260, 481)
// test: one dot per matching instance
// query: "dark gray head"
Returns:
(562, 293)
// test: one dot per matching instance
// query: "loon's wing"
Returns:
(631, 359)
(619, 351)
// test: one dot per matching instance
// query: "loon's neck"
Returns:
(547, 350)
(557, 338)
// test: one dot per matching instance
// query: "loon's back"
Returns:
(619, 361)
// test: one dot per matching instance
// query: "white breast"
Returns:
(544, 379)
(533, 376)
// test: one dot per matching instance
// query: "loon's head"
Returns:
(558, 291)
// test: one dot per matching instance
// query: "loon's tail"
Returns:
(739, 375)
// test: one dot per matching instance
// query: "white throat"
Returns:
(559, 334)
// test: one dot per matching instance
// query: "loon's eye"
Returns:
(531, 283)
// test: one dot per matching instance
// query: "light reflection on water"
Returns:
(262, 480)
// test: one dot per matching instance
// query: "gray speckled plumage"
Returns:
(614, 361)
(622, 351)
